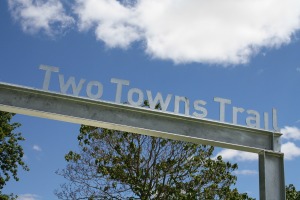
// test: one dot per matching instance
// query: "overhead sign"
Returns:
(135, 97)
(135, 119)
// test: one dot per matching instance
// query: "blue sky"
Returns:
(240, 51)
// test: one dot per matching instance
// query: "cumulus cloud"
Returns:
(245, 172)
(290, 150)
(290, 133)
(212, 31)
(37, 148)
(184, 31)
(40, 15)
(28, 197)
(229, 154)
(114, 23)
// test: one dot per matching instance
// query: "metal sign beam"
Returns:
(39, 103)
(56, 106)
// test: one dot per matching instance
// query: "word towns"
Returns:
(136, 97)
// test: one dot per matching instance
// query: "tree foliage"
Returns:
(11, 152)
(121, 165)
(292, 193)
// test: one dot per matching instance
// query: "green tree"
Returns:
(121, 165)
(11, 152)
(292, 193)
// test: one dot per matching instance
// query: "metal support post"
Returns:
(271, 176)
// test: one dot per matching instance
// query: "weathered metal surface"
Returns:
(271, 176)
(122, 117)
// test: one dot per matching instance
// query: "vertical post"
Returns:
(271, 176)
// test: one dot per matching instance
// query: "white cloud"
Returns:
(114, 23)
(245, 172)
(40, 15)
(290, 132)
(290, 150)
(298, 70)
(227, 31)
(229, 154)
(224, 32)
(28, 197)
(36, 148)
